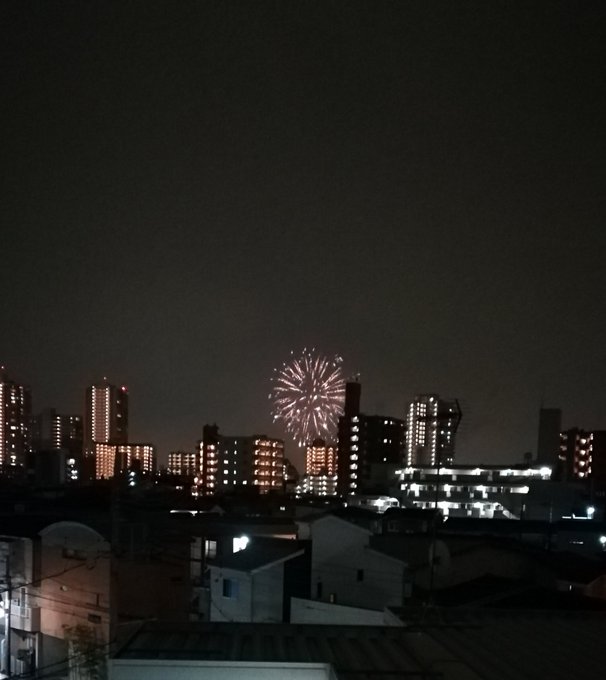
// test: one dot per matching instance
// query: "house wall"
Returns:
(297, 579)
(268, 594)
(259, 596)
(75, 587)
(166, 594)
(236, 608)
(339, 554)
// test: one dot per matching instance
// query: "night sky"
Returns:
(193, 189)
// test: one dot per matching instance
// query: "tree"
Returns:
(86, 655)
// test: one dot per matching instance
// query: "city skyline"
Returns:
(191, 193)
(265, 426)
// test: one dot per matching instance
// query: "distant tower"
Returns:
(52, 430)
(353, 391)
(365, 442)
(105, 419)
(431, 427)
(548, 445)
(15, 422)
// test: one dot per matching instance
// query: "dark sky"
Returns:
(193, 189)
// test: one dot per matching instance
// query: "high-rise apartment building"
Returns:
(321, 458)
(431, 426)
(320, 477)
(105, 420)
(548, 445)
(583, 457)
(113, 460)
(52, 431)
(106, 414)
(228, 463)
(105, 460)
(366, 443)
(183, 463)
(43, 426)
(15, 422)
(317, 485)
(67, 433)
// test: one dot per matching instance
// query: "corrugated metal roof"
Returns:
(528, 645)
(449, 644)
(353, 651)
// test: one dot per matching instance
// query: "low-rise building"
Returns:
(256, 582)
(317, 485)
(56, 596)
(347, 570)
(471, 490)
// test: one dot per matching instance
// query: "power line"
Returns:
(50, 576)
(61, 662)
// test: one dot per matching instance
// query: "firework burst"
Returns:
(307, 396)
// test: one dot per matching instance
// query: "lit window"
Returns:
(240, 543)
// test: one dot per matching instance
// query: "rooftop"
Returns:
(449, 644)
(261, 553)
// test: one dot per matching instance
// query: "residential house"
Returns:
(256, 582)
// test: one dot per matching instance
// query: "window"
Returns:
(360, 575)
(210, 549)
(230, 588)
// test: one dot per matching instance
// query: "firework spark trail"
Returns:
(308, 396)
